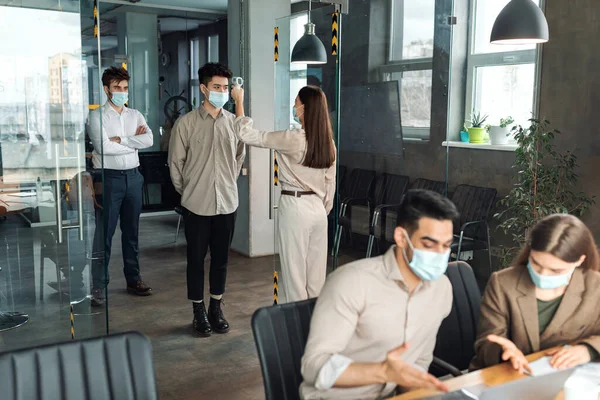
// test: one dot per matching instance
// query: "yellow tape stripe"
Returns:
(93, 106)
(96, 27)
(72, 317)
(275, 170)
(276, 45)
(275, 286)
(334, 33)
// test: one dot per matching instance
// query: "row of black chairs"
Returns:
(281, 331)
(369, 203)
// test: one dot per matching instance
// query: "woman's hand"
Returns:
(568, 357)
(237, 94)
(511, 353)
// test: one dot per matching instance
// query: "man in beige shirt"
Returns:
(375, 324)
(205, 159)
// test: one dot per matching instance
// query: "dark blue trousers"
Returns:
(122, 197)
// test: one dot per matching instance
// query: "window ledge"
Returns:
(485, 146)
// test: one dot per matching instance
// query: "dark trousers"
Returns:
(202, 232)
(122, 198)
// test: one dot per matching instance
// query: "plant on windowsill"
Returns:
(477, 131)
(500, 134)
(545, 184)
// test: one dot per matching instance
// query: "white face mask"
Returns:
(426, 264)
(218, 99)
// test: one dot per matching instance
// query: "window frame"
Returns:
(405, 65)
(496, 59)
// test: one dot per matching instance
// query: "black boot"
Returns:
(201, 325)
(216, 317)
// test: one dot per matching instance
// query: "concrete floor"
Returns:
(188, 367)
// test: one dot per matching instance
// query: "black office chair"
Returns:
(456, 337)
(92, 369)
(388, 196)
(472, 233)
(428, 184)
(358, 189)
(280, 334)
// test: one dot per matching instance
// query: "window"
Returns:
(213, 48)
(501, 78)
(410, 63)
(194, 67)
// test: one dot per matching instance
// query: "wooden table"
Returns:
(492, 376)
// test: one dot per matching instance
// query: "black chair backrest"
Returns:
(395, 188)
(280, 334)
(428, 184)
(474, 203)
(154, 167)
(458, 331)
(359, 184)
(117, 367)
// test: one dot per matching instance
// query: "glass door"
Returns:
(48, 205)
(289, 79)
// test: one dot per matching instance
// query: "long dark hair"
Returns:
(565, 237)
(320, 151)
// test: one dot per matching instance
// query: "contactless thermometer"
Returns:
(238, 81)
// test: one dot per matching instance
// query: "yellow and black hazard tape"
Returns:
(275, 170)
(334, 33)
(276, 45)
(275, 287)
(72, 316)
(96, 27)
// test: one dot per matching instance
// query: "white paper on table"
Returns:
(542, 367)
(589, 371)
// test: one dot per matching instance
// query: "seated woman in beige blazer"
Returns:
(549, 297)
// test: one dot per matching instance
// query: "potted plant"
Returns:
(464, 134)
(477, 131)
(500, 134)
(545, 181)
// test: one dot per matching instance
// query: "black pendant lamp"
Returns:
(309, 49)
(520, 22)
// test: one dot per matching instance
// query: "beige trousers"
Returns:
(302, 227)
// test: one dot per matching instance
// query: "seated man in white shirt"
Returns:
(375, 323)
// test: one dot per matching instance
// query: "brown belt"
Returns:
(296, 194)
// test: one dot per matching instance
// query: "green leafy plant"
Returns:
(504, 122)
(477, 120)
(545, 182)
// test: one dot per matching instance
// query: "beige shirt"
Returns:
(205, 159)
(290, 146)
(364, 311)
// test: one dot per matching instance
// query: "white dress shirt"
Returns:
(113, 155)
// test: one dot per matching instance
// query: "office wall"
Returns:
(252, 56)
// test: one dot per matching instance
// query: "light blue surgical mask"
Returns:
(295, 112)
(426, 264)
(218, 99)
(119, 99)
(549, 282)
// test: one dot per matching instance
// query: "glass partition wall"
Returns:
(48, 204)
(412, 75)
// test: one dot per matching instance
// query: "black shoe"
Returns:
(97, 297)
(201, 325)
(216, 317)
(139, 288)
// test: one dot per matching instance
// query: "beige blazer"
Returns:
(509, 309)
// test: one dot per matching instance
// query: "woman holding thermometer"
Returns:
(306, 159)
(549, 297)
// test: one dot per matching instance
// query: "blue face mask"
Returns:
(218, 99)
(426, 264)
(549, 282)
(119, 99)
(295, 112)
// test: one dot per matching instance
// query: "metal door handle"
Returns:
(59, 221)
